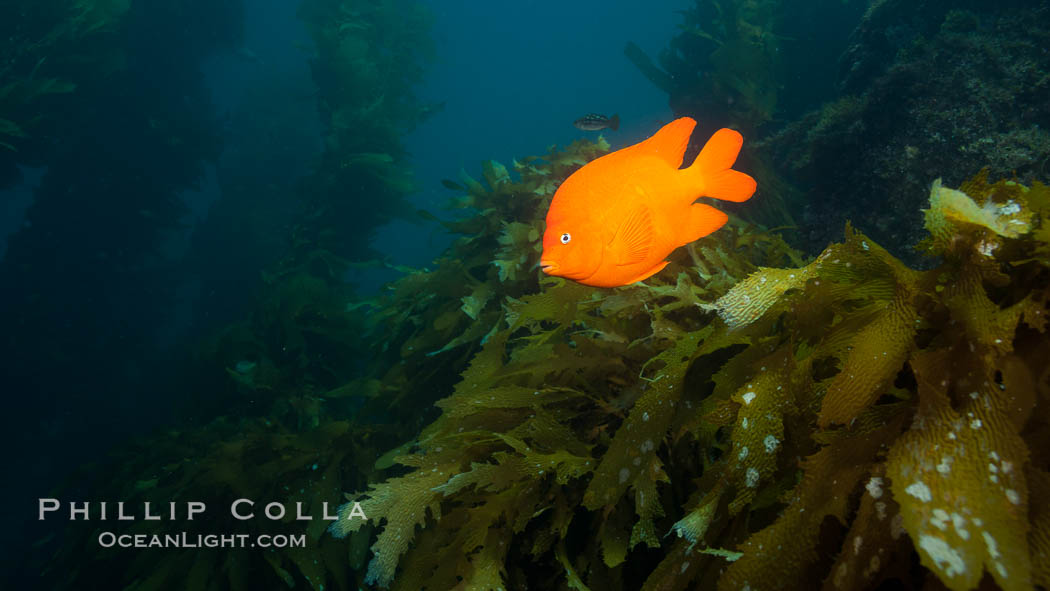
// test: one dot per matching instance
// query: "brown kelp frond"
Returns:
(824, 424)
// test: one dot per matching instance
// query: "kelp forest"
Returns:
(846, 387)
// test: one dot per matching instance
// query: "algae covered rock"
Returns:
(926, 88)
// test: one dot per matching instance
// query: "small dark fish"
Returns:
(595, 122)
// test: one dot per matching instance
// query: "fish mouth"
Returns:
(549, 267)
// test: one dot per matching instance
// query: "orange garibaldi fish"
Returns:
(614, 221)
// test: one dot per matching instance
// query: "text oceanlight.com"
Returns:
(187, 540)
(241, 509)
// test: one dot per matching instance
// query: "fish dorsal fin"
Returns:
(670, 142)
(631, 242)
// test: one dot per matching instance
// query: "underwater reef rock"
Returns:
(929, 88)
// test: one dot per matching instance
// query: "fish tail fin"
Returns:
(614, 122)
(713, 164)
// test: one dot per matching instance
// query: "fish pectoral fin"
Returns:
(649, 273)
(631, 243)
(703, 219)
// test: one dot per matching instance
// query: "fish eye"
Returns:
(565, 238)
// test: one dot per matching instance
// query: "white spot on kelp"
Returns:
(943, 554)
(960, 523)
(751, 478)
(874, 487)
(771, 443)
(940, 519)
(989, 542)
(946, 465)
(919, 490)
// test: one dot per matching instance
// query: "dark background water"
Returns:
(93, 342)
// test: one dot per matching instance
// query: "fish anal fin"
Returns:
(631, 243)
(703, 220)
(711, 171)
(649, 273)
(670, 142)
